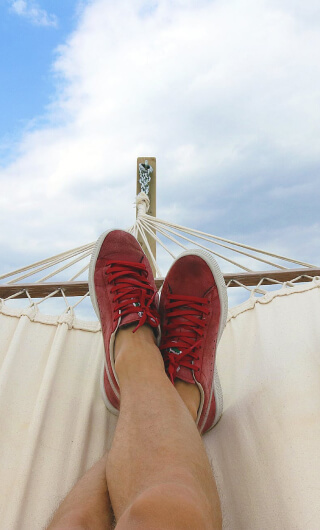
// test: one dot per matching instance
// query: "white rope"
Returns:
(48, 296)
(86, 267)
(161, 230)
(260, 291)
(81, 300)
(150, 231)
(30, 299)
(142, 204)
(263, 291)
(52, 259)
(260, 251)
(15, 295)
(146, 242)
(230, 248)
(55, 272)
(65, 299)
(305, 276)
(239, 284)
(131, 230)
(46, 266)
(201, 246)
(285, 284)
(134, 230)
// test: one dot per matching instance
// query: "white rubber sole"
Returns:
(216, 390)
(94, 302)
(92, 266)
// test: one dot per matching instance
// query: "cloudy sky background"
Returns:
(224, 93)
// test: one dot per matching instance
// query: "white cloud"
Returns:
(225, 94)
(33, 12)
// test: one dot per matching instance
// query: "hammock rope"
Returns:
(171, 237)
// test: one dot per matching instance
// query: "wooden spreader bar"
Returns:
(40, 290)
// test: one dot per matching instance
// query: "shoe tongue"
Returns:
(129, 319)
(183, 373)
(134, 318)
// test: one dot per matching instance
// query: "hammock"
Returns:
(265, 449)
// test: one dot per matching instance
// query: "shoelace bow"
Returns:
(183, 332)
(132, 292)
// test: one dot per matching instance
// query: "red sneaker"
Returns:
(122, 291)
(193, 309)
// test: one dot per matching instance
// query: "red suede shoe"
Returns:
(193, 310)
(122, 291)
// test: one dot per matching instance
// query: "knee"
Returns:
(170, 506)
(80, 519)
(69, 521)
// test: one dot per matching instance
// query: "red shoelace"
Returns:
(183, 332)
(132, 292)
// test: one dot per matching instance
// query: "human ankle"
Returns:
(190, 395)
(135, 350)
(128, 336)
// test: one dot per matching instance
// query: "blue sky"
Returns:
(27, 51)
(224, 94)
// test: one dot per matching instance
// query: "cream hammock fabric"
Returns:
(265, 450)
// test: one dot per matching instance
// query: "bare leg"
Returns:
(190, 395)
(87, 506)
(158, 473)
